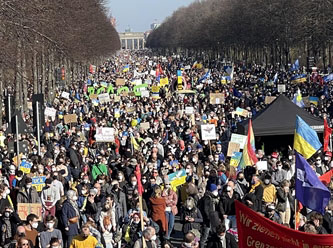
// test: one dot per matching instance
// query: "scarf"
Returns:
(253, 187)
(75, 206)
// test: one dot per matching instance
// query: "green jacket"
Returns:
(98, 170)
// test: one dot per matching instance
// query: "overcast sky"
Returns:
(139, 14)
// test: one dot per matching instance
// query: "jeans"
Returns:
(205, 235)
(171, 222)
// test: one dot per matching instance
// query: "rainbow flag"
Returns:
(249, 157)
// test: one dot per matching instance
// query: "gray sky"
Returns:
(139, 14)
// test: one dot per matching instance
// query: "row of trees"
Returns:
(38, 37)
(254, 30)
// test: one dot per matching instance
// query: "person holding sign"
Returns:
(27, 193)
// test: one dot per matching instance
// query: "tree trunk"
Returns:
(24, 82)
(34, 71)
(1, 94)
(49, 79)
(18, 76)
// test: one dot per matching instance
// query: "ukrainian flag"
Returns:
(126, 68)
(306, 140)
(301, 78)
(134, 143)
(314, 100)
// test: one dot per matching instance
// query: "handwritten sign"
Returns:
(241, 112)
(208, 132)
(65, 95)
(25, 167)
(155, 89)
(120, 82)
(24, 209)
(189, 110)
(93, 96)
(104, 98)
(38, 183)
(104, 134)
(232, 147)
(50, 112)
(72, 118)
(145, 125)
(238, 138)
(281, 88)
(216, 98)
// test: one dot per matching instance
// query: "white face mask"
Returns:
(34, 225)
(7, 191)
(83, 192)
(134, 183)
(215, 193)
(229, 188)
(49, 225)
(144, 181)
(75, 198)
(153, 238)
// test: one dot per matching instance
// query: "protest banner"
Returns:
(50, 112)
(235, 159)
(104, 98)
(216, 98)
(116, 98)
(238, 138)
(241, 112)
(24, 209)
(65, 95)
(208, 132)
(15, 159)
(281, 88)
(104, 134)
(93, 96)
(254, 230)
(189, 110)
(120, 82)
(25, 167)
(72, 118)
(261, 165)
(187, 67)
(269, 99)
(145, 125)
(155, 89)
(38, 183)
(177, 178)
(232, 147)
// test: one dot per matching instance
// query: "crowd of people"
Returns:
(90, 195)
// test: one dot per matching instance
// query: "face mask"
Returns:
(86, 181)
(49, 225)
(41, 171)
(4, 196)
(34, 225)
(7, 191)
(279, 168)
(57, 246)
(144, 181)
(7, 214)
(215, 193)
(12, 172)
(229, 188)
(153, 238)
(318, 162)
(101, 181)
(84, 192)
(167, 186)
(134, 183)
(241, 179)
(136, 222)
(290, 157)
(266, 181)
(19, 178)
(326, 158)
(120, 177)
(187, 171)
(75, 198)
(274, 159)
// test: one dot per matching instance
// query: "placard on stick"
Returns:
(72, 118)
(216, 98)
(120, 82)
(232, 147)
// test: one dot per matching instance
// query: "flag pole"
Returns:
(141, 221)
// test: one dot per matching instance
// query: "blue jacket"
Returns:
(67, 213)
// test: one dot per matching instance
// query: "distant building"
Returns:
(132, 40)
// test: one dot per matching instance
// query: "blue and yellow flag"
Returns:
(314, 100)
(300, 78)
(126, 68)
(306, 140)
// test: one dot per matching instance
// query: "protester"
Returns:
(85, 239)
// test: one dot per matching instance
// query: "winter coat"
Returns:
(67, 213)
(193, 213)
(22, 196)
(158, 206)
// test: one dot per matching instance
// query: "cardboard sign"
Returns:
(232, 147)
(216, 98)
(281, 88)
(104, 98)
(38, 183)
(269, 99)
(208, 132)
(120, 82)
(235, 159)
(25, 167)
(104, 134)
(145, 125)
(29, 105)
(189, 110)
(93, 96)
(155, 89)
(24, 209)
(262, 165)
(130, 109)
(242, 112)
(239, 139)
(50, 112)
(145, 93)
(65, 95)
(164, 82)
(70, 118)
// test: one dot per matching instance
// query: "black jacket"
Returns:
(227, 204)
(193, 213)
(214, 241)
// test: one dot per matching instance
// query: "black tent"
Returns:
(279, 118)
